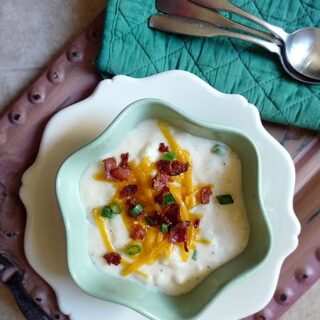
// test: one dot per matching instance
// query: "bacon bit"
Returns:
(178, 233)
(138, 233)
(131, 202)
(154, 220)
(160, 181)
(122, 174)
(112, 258)
(159, 198)
(129, 190)
(163, 147)
(124, 160)
(172, 168)
(109, 165)
(205, 194)
(171, 214)
(196, 223)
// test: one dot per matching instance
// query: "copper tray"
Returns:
(71, 78)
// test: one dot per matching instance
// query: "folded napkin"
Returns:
(232, 66)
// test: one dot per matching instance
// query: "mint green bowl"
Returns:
(147, 301)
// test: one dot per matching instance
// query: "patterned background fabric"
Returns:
(232, 66)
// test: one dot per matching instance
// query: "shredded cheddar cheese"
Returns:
(100, 221)
(204, 241)
(156, 242)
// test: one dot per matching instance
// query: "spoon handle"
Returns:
(227, 6)
(186, 8)
(192, 27)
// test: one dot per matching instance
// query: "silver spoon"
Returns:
(301, 48)
(193, 27)
(185, 8)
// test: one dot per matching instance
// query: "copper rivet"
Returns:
(38, 296)
(94, 34)
(11, 234)
(36, 96)
(283, 296)
(75, 55)
(303, 274)
(17, 117)
(56, 75)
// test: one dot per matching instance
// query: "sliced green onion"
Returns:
(136, 210)
(164, 228)
(115, 208)
(169, 156)
(106, 212)
(110, 211)
(225, 199)
(195, 255)
(133, 250)
(218, 149)
(168, 199)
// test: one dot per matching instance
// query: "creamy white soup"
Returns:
(165, 208)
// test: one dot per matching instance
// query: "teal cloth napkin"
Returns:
(232, 66)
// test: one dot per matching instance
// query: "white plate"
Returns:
(79, 124)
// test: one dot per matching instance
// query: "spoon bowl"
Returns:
(302, 49)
